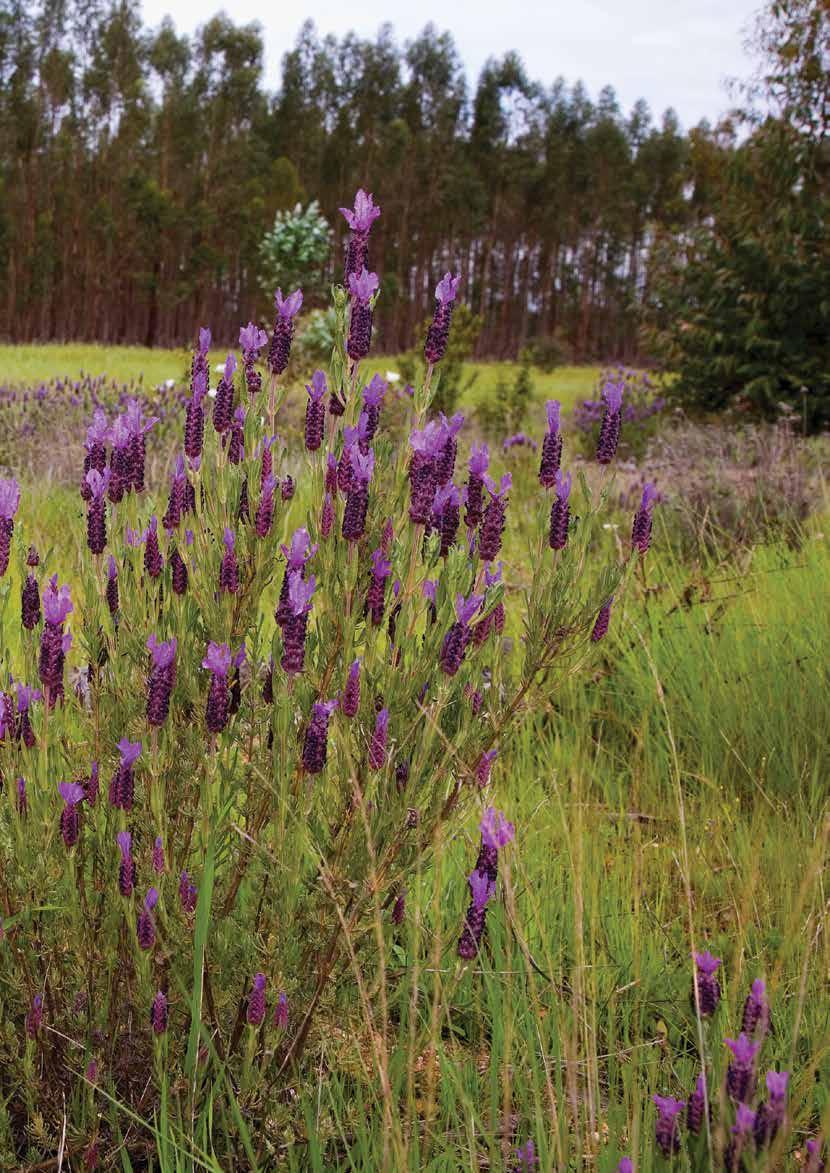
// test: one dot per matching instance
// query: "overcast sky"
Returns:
(670, 52)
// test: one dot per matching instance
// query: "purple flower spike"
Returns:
(30, 602)
(482, 886)
(315, 745)
(223, 404)
(626, 1165)
(72, 794)
(493, 521)
(351, 693)
(526, 1159)
(360, 220)
(609, 433)
(34, 1017)
(478, 464)
(286, 310)
(294, 629)
(9, 502)
(448, 450)
(326, 517)
(265, 509)
(158, 856)
(666, 1126)
(122, 783)
(146, 927)
(218, 663)
(457, 638)
(188, 894)
(446, 516)
(560, 512)
(362, 289)
(153, 563)
(162, 679)
(256, 1001)
(815, 1161)
(772, 1113)
(708, 987)
(158, 1014)
(641, 527)
(496, 831)
(281, 1012)
(57, 605)
(756, 1010)
(740, 1075)
(377, 744)
(315, 412)
(375, 595)
(127, 868)
(600, 629)
(229, 567)
(485, 764)
(697, 1107)
(438, 333)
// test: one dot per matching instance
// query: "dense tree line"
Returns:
(139, 170)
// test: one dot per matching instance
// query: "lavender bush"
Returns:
(294, 695)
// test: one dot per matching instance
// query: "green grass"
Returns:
(32, 363)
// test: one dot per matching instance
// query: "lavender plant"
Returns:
(299, 738)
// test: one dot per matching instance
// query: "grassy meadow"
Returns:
(669, 789)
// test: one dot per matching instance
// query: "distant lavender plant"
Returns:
(526, 1159)
(438, 333)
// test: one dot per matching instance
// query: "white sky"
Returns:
(672, 53)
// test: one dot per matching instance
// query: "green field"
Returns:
(670, 794)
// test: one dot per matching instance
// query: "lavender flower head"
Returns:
(485, 764)
(72, 794)
(218, 663)
(351, 693)
(609, 432)
(362, 289)
(360, 220)
(560, 512)
(740, 1075)
(697, 1106)
(478, 464)
(286, 310)
(493, 522)
(772, 1113)
(223, 404)
(127, 868)
(708, 987)
(438, 333)
(162, 678)
(496, 831)
(315, 411)
(603, 620)
(482, 886)
(300, 592)
(122, 783)
(158, 1013)
(455, 641)
(626, 1165)
(551, 445)
(146, 927)
(377, 744)
(526, 1159)
(281, 1012)
(756, 1010)
(256, 1001)
(159, 866)
(252, 339)
(641, 528)
(315, 744)
(9, 502)
(426, 445)
(665, 1129)
(372, 402)
(445, 466)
